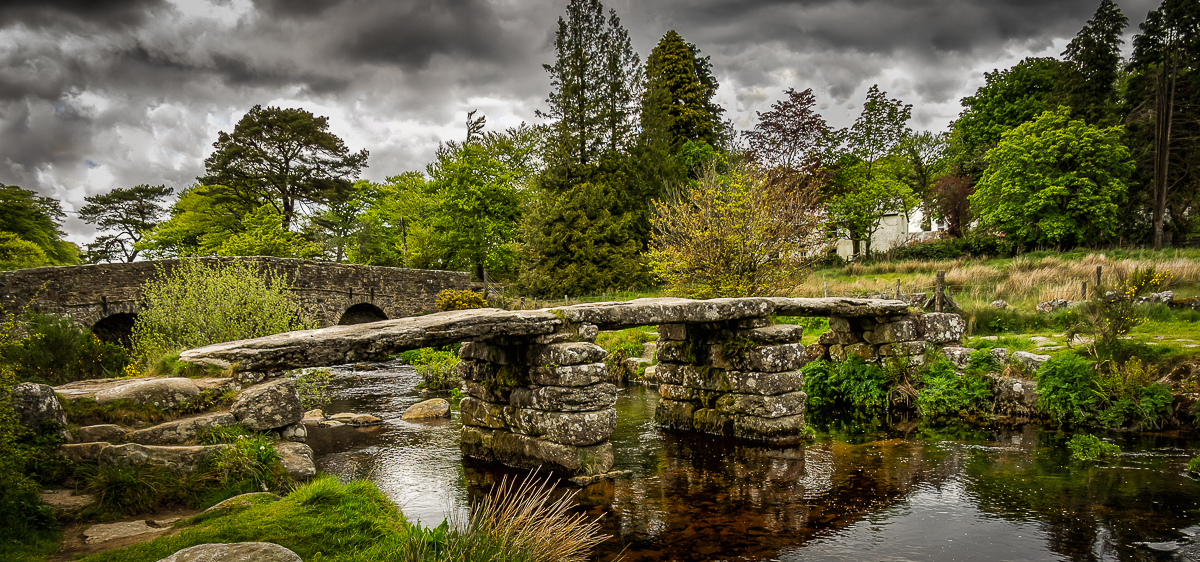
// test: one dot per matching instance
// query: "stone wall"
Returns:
(90, 293)
(883, 338)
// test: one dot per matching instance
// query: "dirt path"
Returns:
(75, 543)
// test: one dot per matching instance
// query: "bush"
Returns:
(944, 392)
(853, 381)
(1089, 447)
(451, 299)
(56, 350)
(1193, 466)
(438, 367)
(201, 303)
(1074, 391)
(313, 387)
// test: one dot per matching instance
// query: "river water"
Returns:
(862, 491)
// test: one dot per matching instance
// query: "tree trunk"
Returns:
(1164, 105)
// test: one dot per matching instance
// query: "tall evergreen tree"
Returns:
(588, 229)
(1095, 55)
(679, 93)
(593, 88)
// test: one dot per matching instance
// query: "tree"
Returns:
(867, 184)
(129, 213)
(38, 220)
(736, 234)
(205, 223)
(1168, 49)
(286, 158)
(926, 158)
(594, 83)
(950, 199)
(791, 137)
(590, 181)
(1054, 181)
(1094, 56)
(1007, 99)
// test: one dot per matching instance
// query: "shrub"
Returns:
(200, 303)
(944, 392)
(438, 367)
(56, 350)
(1089, 447)
(1193, 466)
(1073, 391)
(1069, 390)
(313, 387)
(451, 299)
(853, 381)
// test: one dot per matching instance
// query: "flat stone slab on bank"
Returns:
(339, 345)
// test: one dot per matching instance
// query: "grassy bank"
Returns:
(327, 521)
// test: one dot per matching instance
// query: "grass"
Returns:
(623, 344)
(327, 521)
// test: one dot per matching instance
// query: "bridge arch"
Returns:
(116, 328)
(362, 313)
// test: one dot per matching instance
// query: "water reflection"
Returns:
(907, 492)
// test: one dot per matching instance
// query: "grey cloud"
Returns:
(78, 14)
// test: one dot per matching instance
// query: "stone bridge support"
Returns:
(539, 400)
(737, 379)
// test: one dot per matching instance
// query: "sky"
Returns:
(101, 94)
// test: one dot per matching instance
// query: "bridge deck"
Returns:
(345, 344)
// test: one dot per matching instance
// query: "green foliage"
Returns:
(1109, 318)
(263, 233)
(586, 237)
(1073, 391)
(1089, 447)
(438, 367)
(56, 350)
(734, 234)
(1054, 181)
(128, 490)
(222, 434)
(678, 108)
(621, 345)
(285, 158)
(854, 382)
(197, 303)
(127, 213)
(205, 221)
(1007, 99)
(1193, 466)
(313, 387)
(943, 392)
(451, 299)
(1094, 56)
(32, 218)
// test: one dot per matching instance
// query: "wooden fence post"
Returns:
(897, 289)
(1083, 292)
(1098, 269)
(826, 289)
(940, 297)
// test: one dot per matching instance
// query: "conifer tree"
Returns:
(1094, 55)
(679, 93)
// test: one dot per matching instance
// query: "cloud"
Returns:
(97, 94)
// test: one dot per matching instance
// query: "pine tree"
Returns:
(1094, 55)
(679, 93)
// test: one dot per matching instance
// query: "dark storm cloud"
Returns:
(96, 94)
(77, 13)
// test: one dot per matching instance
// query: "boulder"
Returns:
(1030, 362)
(297, 432)
(178, 459)
(789, 404)
(297, 459)
(570, 375)
(234, 552)
(958, 356)
(109, 433)
(37, 405)
(943, 327)
(242, 501)
(66, 501)
(567, 428)
(356, 420)
(164, 393)
(269, 405)
(523, 451)
(434, 408)
(105, 532)
(1000, 304)
(180, 431)
(564, 398)
(1014, 397)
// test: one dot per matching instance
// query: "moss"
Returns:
(733, 348)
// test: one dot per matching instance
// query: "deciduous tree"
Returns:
(37, 220)
(1054, 181)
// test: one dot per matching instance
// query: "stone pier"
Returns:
(737, 379)
(540, 400)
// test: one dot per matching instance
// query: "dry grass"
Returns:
(1022, 281)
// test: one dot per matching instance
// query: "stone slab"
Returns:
(523, 451)
(565, 398)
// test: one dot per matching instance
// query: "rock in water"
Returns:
(269, 405)
(36, 405)
(435, 408)
(165, 393)
(234, 552)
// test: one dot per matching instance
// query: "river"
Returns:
(886, 490)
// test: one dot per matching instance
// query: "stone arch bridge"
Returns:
(538, 387)
(107, 297)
